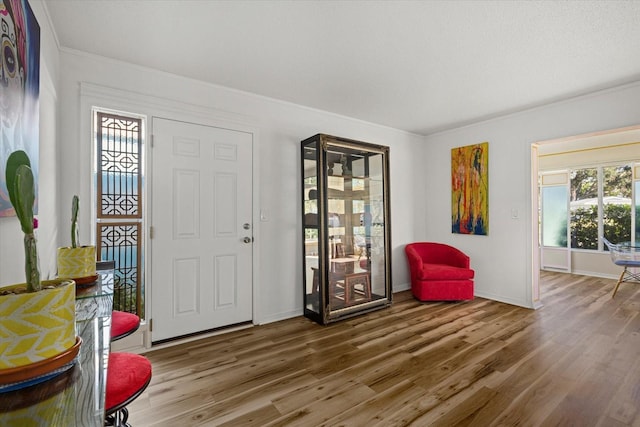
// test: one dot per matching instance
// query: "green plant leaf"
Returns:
(15, 160)
(75, 202)
(24, 187)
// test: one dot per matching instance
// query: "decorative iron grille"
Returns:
(119, 211)
(120, 242)
(119, 180)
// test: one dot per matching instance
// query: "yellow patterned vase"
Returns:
(76, 263)
(35, 326)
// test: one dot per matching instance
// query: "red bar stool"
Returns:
(128, 375)
(123, 324)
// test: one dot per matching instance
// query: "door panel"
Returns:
(202, 192)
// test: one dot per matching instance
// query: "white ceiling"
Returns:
(421, 66)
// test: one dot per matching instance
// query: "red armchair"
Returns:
(439, 272)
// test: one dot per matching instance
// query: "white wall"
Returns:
(420, 175)
(281, 127)
(11, 247)
(502, 259)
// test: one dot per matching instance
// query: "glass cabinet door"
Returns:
(310, 225)
(346, 227)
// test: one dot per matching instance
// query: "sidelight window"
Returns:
(119, 196)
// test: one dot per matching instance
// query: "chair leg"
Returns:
(619, 281)
(125, 417)
(118, 418)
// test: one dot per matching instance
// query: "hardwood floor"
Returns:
(574, 362)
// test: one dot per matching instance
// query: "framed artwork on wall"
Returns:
(19, 90)
(470, 189)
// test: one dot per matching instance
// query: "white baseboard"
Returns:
(503, 299)
(280, 316)
(401, 287)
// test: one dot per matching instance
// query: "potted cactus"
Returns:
(77, 262)
(37, 317)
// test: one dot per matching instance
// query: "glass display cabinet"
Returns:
(346, 227)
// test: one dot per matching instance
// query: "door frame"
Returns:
(149, 106)
(535, 230)
(588, 140)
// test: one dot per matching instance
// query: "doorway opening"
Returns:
(583, 187)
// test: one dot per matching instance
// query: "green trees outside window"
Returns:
(584, 208)
(589, 199)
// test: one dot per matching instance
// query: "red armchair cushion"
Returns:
(444, 272)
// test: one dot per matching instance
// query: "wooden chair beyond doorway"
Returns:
(626, 256)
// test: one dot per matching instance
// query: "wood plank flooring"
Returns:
(574, 362)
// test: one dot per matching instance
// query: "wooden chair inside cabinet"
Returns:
(352, 288)
(357, 288)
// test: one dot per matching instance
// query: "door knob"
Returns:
(247, 240)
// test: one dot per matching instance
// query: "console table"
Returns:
(75, 397)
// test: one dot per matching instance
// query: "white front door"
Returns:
(201, 214)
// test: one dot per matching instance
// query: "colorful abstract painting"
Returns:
(470, 189)
(19, 89)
